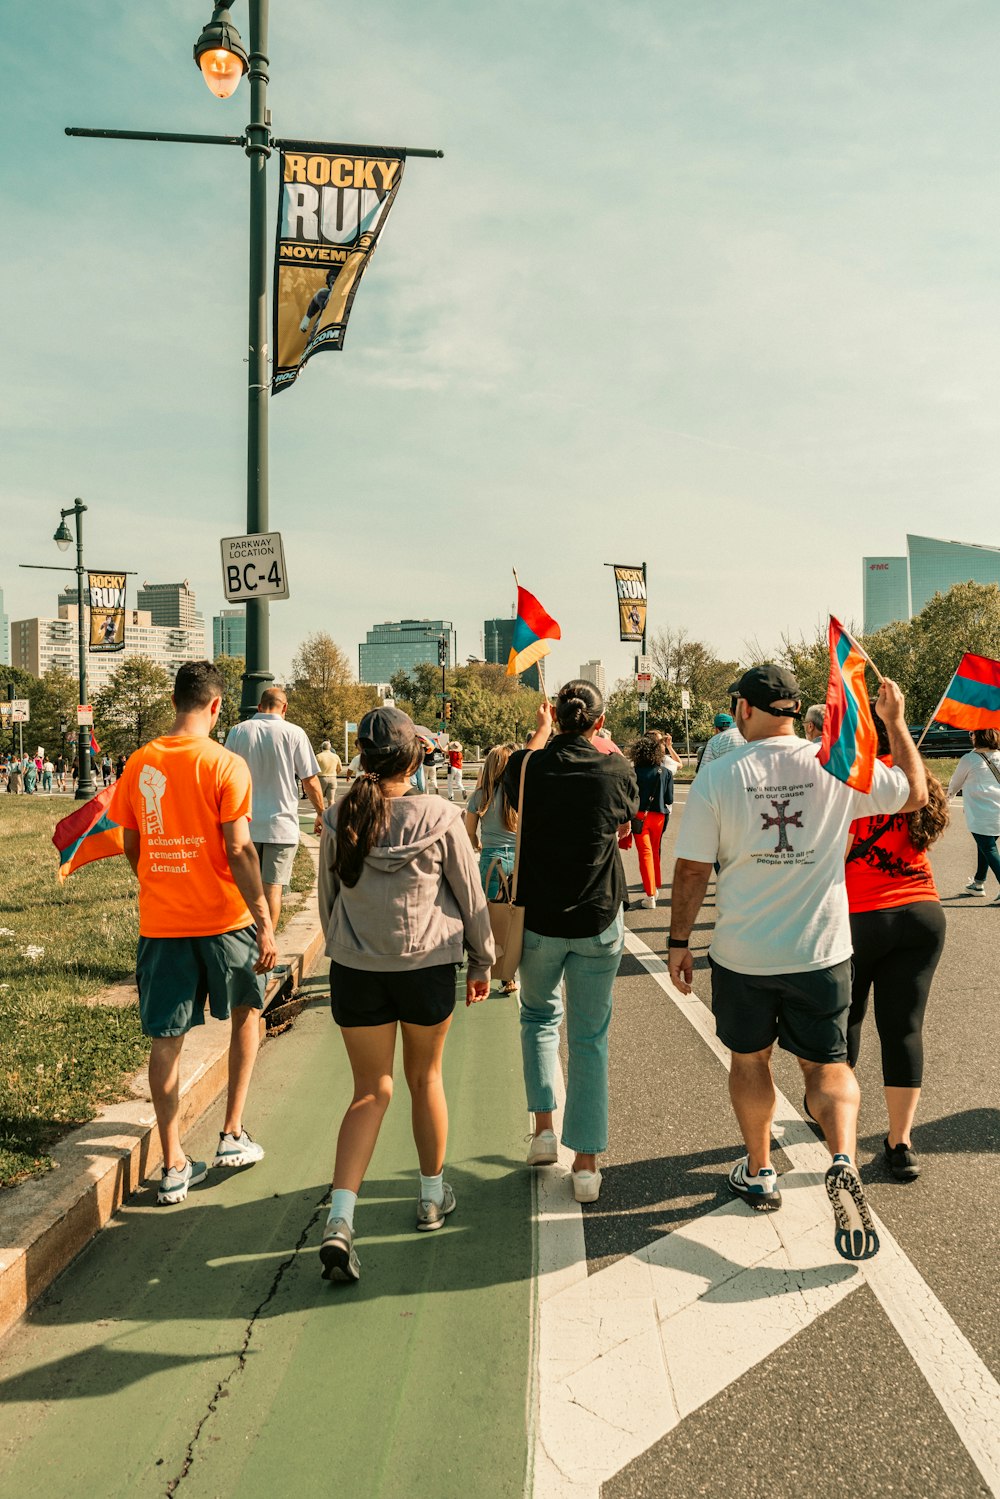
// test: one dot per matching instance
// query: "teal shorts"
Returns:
(175, 976)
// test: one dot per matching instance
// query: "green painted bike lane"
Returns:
(197, 1351)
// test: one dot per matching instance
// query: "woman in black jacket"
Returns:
(656, 797)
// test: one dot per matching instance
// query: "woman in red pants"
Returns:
(656, 797)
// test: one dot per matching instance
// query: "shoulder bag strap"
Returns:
(520, 818)
(986, 759)
(858, 850)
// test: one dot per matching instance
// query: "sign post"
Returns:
(686, 705)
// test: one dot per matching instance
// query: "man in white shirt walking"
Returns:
(329, 769)
(725, 738)
(277, 753)
(777, 823)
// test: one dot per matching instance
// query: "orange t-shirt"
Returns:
(891, 872)
(176, 793)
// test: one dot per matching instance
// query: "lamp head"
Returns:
(220, 54)
(63, 537)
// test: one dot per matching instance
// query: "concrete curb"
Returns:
(45, 1222)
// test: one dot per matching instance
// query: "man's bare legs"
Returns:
(243, 1043)
(751, 1089)
(165, 1086)
(834, 1098)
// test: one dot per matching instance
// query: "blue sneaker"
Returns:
(174, 1183)
(238, 1150)
(761, 1191)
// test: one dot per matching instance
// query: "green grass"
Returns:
(61, 1060)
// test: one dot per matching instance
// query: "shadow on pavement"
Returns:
(97, 1371)
(973, 1131)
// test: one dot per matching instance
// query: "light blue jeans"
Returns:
(588, 966)
(505, 858)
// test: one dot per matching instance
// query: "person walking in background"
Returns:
(898, 931)
(400, 897)
(15, 777)
(977, 777)
(778, 823)
(455, 771)
(204, 925)
(120, 766)
(279, 754)
(31, 776)
(329, 769)
(655, 779)
(812, 723)
(106, 769)
(726, 737)
(670, 755)
(572, 887)
(47, 769)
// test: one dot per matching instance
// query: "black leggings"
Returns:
(897, 951)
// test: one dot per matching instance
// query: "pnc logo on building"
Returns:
(878, 567)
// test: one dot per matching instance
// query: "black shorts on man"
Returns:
(175, 976)
(806, 1013)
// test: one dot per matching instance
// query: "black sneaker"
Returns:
(902, 1161)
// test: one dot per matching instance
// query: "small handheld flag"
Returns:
(972, 698)
(88, 834)
(95, 748)
(533, 629)
(850, 741)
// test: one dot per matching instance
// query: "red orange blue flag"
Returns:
(972, 698)
(88, 834)
(533, 629)
(850, 742)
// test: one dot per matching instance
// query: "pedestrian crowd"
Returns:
(824, 898)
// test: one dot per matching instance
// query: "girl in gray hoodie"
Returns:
(400, 900)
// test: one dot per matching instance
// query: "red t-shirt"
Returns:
(891, 872)
(455, 759)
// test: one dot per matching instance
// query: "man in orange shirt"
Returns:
(184, 804)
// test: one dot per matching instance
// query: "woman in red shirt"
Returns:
(898, 928)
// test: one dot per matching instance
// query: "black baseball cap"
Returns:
(386, 729)
(762, 686)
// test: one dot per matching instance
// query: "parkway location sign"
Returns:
(253, 567)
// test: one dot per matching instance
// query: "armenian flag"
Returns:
(88, 834)
(533, 629)
(850, 743)
(972, 698)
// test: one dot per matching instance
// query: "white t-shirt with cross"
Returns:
(777, 823)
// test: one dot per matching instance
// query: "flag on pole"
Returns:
(88, 834)
(850, 742)
(972, 698)
(95, 748)
(533, 629)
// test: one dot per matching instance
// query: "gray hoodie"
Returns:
(419, 900)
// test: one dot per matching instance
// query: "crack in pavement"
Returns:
(222, 1388)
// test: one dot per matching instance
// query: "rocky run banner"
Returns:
(333, 205)
(630, 583)
(106, 592)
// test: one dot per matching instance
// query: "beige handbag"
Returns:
(506, 918)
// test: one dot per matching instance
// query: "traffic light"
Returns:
(447, 710)
(443, 651)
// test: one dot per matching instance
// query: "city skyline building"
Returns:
(4, 634)
(897, 588)
(401, 645)
(229, 633)
(37, 644)
(498, 639)
(593, 672)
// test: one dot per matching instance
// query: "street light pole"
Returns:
(85, 787)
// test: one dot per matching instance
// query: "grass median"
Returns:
(60, 944)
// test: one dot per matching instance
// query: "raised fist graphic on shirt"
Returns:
(152, 785)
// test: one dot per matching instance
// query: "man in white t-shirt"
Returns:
(777, 823)
(278, 754)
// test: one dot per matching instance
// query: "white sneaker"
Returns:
(649, 902)
(238, 1150)
(543, 1149)
(975, 887)
(586, 1185)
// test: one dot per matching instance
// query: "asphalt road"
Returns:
(197, 1351)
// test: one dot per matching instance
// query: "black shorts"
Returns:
(806, 1013)
(175, 976)
(417, 996)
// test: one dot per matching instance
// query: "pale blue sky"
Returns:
(707, 284)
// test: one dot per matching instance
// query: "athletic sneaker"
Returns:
(237, 1150)
(761, 1191)
(586, 1185)
(337, 1252)
(902, 1161)
(975, 887)
(543, 1149)
(649, 902)
(431, 1215)
(174, 1183)
(854, 1236)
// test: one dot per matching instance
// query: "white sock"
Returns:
(432, 1188)
(342, 1205)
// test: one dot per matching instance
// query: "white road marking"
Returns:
(623, 1355)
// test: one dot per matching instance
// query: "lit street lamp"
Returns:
(85, 787)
